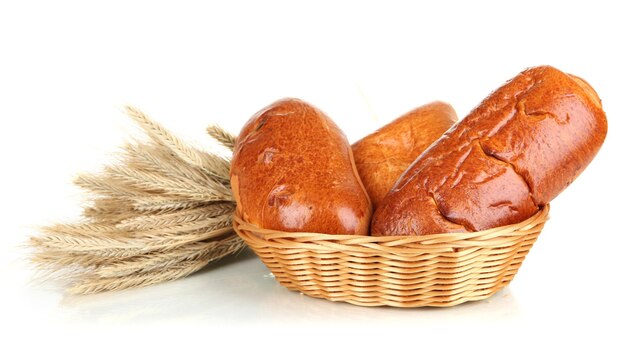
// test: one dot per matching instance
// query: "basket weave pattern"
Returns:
(402, 271)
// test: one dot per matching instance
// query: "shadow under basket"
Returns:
(402, 271)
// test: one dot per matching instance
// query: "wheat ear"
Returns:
(222, 136)
(210, 163)
(161, 212)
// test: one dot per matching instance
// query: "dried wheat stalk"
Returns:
(162, 212)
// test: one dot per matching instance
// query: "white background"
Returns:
(67, 68)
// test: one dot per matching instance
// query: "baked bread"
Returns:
(293, 170)
(510, 156)
(384, 155)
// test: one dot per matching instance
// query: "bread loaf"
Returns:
(293, 170)
(510, 156)
(384, 155)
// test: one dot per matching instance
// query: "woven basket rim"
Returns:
(493, 237)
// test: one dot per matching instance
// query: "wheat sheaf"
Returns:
(162, 212)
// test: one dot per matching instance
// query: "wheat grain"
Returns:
(109, 211)
(109, 205)
(156, 158)
(144, 222)
(156, 205)
(58, 259)
(162, 185)
(160, 260)
(156, 184)
(73, 243)
(222, 136)
(210, 163)
(99, 185)
(94, 284)
(162, 136)
(132, 277)
(167, 242)
(93, 237)
(209, 223)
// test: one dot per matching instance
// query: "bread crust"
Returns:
(382, 156)
(293, 170)
(511, 155)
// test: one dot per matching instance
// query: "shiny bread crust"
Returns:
(511, 155)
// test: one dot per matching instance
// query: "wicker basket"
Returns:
(402, 271)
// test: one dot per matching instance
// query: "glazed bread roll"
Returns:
(293, 170)
(384, 155)
(510, 156)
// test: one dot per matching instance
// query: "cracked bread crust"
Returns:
(511, 155)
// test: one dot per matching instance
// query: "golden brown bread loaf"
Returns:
(511, 155)
(381, 157)
(293, 170)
